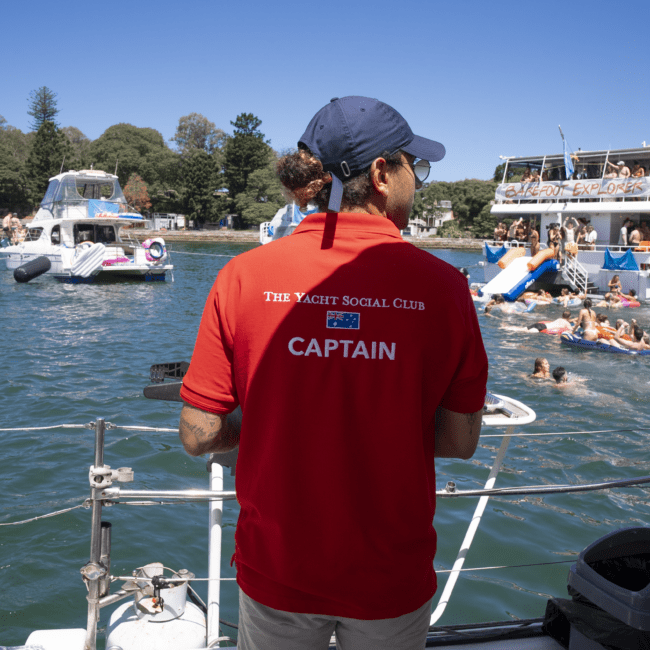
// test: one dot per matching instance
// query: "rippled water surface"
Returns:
(74, 353)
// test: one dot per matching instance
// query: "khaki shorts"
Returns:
(265, 628)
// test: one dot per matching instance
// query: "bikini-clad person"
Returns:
(587, 320)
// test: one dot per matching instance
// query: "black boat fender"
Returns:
(32, 269)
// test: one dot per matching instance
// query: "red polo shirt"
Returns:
(339, 342)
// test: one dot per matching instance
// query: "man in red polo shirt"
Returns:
(356, 359)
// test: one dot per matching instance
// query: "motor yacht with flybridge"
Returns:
(80, 234)
(595, 194)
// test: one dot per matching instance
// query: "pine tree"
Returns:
(199, 202)
(49, 152)
(42, 104)
(245, 152)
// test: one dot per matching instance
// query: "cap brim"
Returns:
(424, 148)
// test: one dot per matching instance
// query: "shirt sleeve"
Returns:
(209, 383)
(466, 392)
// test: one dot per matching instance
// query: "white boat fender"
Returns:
(155, 249)
(32, 269)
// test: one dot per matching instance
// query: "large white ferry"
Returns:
(589, 197)
(78, 235)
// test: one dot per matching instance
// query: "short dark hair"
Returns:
(559, 374)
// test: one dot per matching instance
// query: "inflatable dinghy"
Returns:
(578, 342)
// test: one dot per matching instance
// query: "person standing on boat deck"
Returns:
(622, 237)
(6, 225)
(591, 237)
(330, 340)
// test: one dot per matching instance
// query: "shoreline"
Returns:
(252, 236)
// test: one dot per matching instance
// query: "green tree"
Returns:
(50, 149)
(198, 198)
(485, 223)
(263, 195)
(81, 145)
(42, 107)
(14, 193)
(468, 198)
(3, 123)
(141, 151)
(244, 153)
(194, 131)
(513, 176)
(136, 195)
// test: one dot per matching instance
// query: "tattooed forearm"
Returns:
(202, 432)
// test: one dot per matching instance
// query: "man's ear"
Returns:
(379, 176)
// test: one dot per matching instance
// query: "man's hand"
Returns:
(202, 432)
(457, 433)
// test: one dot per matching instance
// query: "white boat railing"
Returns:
(97, 574)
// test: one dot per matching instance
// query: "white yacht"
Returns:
(80, 234)
(591, 197)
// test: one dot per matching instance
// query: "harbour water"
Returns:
(72, 353)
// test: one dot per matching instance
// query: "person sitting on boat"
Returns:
(6, 225)
(615, 285)
(535, 178)
(587, 321)
(542, 369)
(560, 375)
(321, 440)
(637, 342)
(527, 176)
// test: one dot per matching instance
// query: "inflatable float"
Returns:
(578, 342)
(571, 302)
(625, 302)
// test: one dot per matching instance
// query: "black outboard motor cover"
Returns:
(32, 269)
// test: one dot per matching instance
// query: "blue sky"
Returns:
(484, 78)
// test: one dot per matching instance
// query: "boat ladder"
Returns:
(576, 274)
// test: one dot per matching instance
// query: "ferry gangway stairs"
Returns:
(577, 275)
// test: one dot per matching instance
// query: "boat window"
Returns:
(104, 234)
(50, 195)
(98, 190)
(55, 236)
(84, 232)
(33, 234)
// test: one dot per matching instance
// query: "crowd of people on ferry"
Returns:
(620, 169)
(569, 237)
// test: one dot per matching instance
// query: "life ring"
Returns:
(510, 256)
(155, 250)
(540, 258)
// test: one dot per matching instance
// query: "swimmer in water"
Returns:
(556, 326)
(499, 302)
(560, 375)
(542, 369)
(587, 320)
(638, 341)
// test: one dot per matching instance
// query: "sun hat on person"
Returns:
(620, 162)
(349, 133)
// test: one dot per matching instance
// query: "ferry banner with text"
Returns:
(587, 188)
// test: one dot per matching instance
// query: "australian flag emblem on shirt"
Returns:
(344, 320)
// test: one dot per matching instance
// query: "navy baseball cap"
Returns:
(350, 132)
